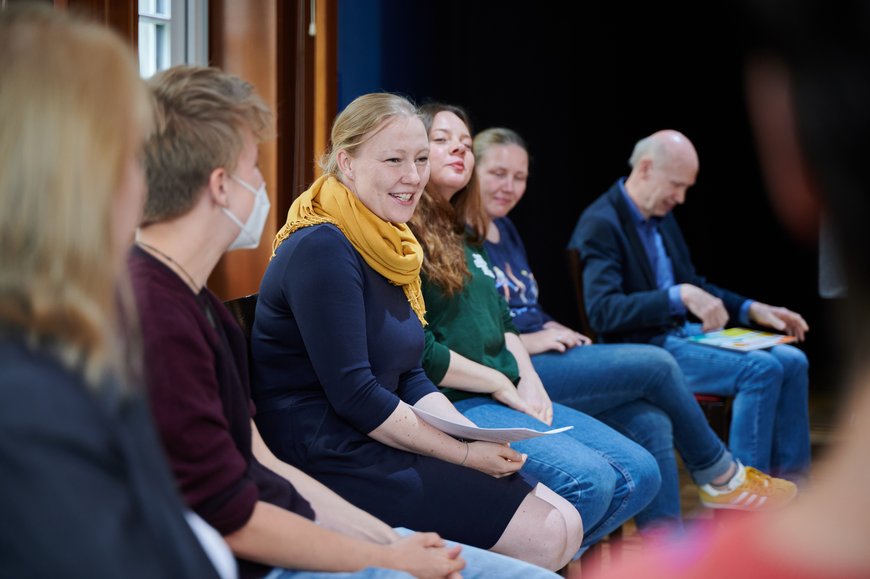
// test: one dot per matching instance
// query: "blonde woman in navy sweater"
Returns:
(337, 343)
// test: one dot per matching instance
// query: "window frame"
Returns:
(187, 23)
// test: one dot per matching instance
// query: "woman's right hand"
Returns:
(508, 395)
(424, 555)
(496, 460)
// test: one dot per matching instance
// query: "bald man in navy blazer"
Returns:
(640, 285)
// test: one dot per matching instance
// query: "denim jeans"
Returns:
(479, 564)
(606, 476)
(639, 390)
(770, 418)
(369, 573)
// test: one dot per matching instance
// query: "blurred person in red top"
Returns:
(808, 85)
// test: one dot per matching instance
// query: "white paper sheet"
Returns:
(488, 434)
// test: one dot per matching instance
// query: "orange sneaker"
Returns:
(749, 490)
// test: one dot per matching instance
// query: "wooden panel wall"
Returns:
(122, 15)
(325, 74)
(266, 42)
(243, 40)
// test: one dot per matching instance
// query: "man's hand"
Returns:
(707, 307)
(780, 319)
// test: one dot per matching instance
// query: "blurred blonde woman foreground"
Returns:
(84, 490)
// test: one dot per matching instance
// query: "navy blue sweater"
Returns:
(329, 327)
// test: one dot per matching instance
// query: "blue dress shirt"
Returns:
(648, 231)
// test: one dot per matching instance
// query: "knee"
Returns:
(649, 360)
(573, 536)
(765, 368)
(574, 528)
(665, 363)
(563, 538)
(792, 359)
(646, 477)
(594, 487)
(651, 428)
(598, 483)
(550, 552)
(546, 530)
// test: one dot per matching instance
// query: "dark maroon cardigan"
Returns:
(196, 370)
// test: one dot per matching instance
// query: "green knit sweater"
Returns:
(471, 323)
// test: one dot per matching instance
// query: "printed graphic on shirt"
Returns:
(513, 288)
(480, 263)
(515, 291)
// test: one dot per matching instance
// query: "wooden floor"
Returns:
(822, 435)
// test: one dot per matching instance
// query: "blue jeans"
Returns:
(369, 573)
(607, 477)
(639, 390)
(770, 419)
(479, 564)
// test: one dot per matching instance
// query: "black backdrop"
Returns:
(582, 84)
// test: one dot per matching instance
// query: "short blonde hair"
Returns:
(201, 114)
(65, 142)
(496, 136)
(359, 122)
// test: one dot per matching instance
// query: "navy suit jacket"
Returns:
(619, 285)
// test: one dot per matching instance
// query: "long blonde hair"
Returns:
(442, 226)
(71, 107)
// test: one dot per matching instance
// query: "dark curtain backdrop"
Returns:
(582, 90)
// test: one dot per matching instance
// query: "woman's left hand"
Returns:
(532, 391)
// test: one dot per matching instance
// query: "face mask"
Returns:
(249, 236)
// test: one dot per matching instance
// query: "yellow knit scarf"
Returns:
(388, 248)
